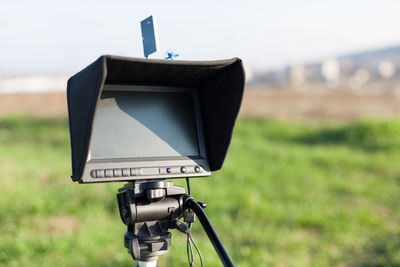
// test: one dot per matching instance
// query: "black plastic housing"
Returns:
(220, 85)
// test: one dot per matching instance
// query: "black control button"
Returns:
(93, 173)
(108, 173)
(197, 169)
(126, 172)
(99, 173)
(117, 172)
(133, 172)
(183, 169)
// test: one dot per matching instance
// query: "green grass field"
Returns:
(289, 194)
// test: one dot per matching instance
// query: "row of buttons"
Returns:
(126, 172)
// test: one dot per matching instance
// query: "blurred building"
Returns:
(387, 69)
(33, 83)
(352, 71)
(297, 76)
(330, 70)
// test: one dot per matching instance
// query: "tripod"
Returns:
(150, 209)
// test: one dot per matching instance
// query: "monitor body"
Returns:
(146, 132)
(204, 110)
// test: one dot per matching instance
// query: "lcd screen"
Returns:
(136, 124)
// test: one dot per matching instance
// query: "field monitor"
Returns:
(135, 119)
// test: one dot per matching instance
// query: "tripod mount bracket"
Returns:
(150, 209)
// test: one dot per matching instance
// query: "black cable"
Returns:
(209, 229)
(188, 186)
(198, 250)
(189, 241)
(189, 249)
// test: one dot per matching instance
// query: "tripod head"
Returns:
(150, 209)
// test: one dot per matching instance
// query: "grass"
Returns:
(289, 194)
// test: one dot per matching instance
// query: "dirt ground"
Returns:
(334, 105)
(49, 104)
(285, 104)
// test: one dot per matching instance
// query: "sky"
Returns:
(47, 36)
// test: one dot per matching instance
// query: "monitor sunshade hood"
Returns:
(217, 90)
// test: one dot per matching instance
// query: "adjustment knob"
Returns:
(183, 169)
(155, 194)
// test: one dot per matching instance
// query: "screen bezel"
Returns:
(148, 162)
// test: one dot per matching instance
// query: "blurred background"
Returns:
(312, 174)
